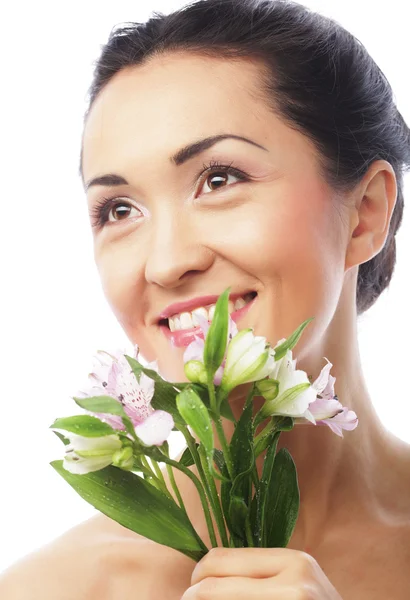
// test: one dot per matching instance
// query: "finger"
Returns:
(234, 588)
(245, 562)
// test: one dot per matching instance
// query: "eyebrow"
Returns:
(179, 158)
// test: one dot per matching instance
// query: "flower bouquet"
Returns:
(113, 450)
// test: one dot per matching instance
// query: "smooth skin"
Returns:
(285, 234)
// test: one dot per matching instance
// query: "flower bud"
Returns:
(123, 458)
(195, 371)
(268, 388)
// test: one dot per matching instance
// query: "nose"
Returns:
(176, 251)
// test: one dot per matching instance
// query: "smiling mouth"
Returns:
(251, 296)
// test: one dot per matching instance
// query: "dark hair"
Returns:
(316, 76)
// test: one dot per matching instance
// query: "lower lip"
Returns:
(185, 337)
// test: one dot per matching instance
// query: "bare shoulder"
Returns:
(98, 559)
(370, 562)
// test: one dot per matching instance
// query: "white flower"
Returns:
(290, 402)
(249, 358)
(87, 454)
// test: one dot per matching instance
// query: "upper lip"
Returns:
(189, 305)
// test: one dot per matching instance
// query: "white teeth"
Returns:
(187, 320)
(199, 311)
(240, 303)
(174, 324)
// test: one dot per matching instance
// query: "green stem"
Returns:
(225, 447)
(197, 459)
(158, 472)
(201, 493)
(211, 391)
(270, 427)
(175, 488)
(255, 477)
(248, 531)
(147, 470)
(215, 502)
(157, 477)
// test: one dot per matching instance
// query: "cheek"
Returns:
(120, 275)
(290, 244)
(292, 234)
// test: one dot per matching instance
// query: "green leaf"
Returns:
(242, 454)
(195, 414)
(187, 459)
(217, 336)
(107, 405)
(241, 445)
(264, 489)
(102, 404)
(226, 411)
(240, 496)
(238, 513)
(278, 423)
(219, 459)
(84, 425)
(65, 440)
(292, 340)
(253, 517)
(282, 504)
(136, 504)
(226, 487)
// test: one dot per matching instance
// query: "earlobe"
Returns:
(371, 215)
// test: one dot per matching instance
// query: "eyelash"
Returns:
(100, 212)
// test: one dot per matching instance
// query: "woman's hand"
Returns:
(259, 574)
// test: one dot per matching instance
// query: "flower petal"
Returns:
(79, 442)
(324, 384)
(325, 409)
(86, 465)
(195, 350)
(347, 419)
(155, 429)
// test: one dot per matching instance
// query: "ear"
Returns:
(373, 203)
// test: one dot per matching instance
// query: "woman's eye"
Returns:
(121, 209)
(220, 178)
(102, 212)
(214, 176)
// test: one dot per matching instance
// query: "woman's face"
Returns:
(175, 234)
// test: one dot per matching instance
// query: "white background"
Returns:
(53, 313)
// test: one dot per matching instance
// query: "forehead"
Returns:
(170, 100)
(146, 112)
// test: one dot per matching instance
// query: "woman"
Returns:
(292, 121)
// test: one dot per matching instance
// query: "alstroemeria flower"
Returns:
(326, 409)
(287, 404)
(249, 358)
(195, 350)
(113, 376)
(334, 415)
(86, 454)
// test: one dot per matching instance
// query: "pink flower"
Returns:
(113, 376)
(326, 409)
(195, 350)
(324, 384)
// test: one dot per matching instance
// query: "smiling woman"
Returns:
(256, 144)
